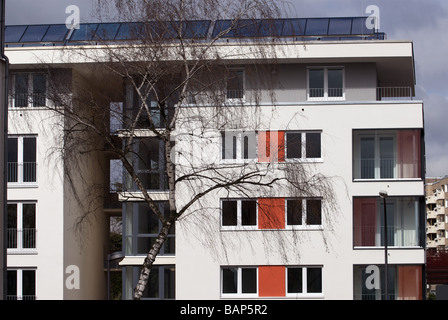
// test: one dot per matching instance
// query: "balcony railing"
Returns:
(21, 238)
(22, 172)
(22, 100)
(383, 168)
(396, 236)
(235, 94)
(394, 93)
(329, 94)
(24, 297)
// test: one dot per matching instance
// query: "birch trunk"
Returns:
(149, 260)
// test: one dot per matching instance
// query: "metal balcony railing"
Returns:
(235, 94)
(394, 93)
(22, 100)
(21, 238)
(22, 172)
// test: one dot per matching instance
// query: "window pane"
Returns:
(335, 82)
(29, 159)
(29, 149)
(235, 84)
(249, 280)
(367, 158)
(314, 280)
(313, 212)
(152, 289)
(387, 163)
(293, 145)
(316, 82)
(294, 212)
(11, 282)
(12, 150)
(249, 145)
(29, 225)
(249, 213)
(169, 282)
(12, 225)
(148, 223)
(29, 284)
(39, 90)
(229, 280)
(313, 145)
(21, 90)
(229, 213)
(295, 280)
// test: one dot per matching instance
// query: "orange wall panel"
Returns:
(271, 213)
(271, 281)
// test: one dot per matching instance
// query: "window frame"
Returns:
(30, 94)
(304, 225)
(304, 146)
(20, 165)
(239, 218)
(239, 283)
(243, 90)
(19, 248)
(304, 293)
(376, 135)
(326, 96)
(237, 138)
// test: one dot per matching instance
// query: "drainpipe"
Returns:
(4, 64)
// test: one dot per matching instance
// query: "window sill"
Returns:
(28, 251)
(22, 185)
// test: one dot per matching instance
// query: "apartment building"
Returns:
(436, 212)
(344, 109)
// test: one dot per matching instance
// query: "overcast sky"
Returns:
(425, 22)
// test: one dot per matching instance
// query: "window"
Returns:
(149, 163)
(142, 227)
(239, 281)
(21, 226)
(21, 284)
(403, 216)
(238, 145)
(22, 159)
(161, 283)
(303, 145)
(303, 212)
(404, 282)
(387, 154)
(238, 213)
(304, 280)
(235, 84)
(29, 90)
(326, 83)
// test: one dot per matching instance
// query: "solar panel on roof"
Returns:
(340, 26)
(85, 32)
(359, 27)
(197, 29)
(130, 30)
(106, 31)
(316, 27)
(294, 27)
(14, 33)
(56, 33)
(34, 33)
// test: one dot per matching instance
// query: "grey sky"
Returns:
(423, 22)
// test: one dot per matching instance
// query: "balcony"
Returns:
(387, 154)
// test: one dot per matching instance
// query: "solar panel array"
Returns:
(300, 29)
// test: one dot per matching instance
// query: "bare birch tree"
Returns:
(180, 85)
